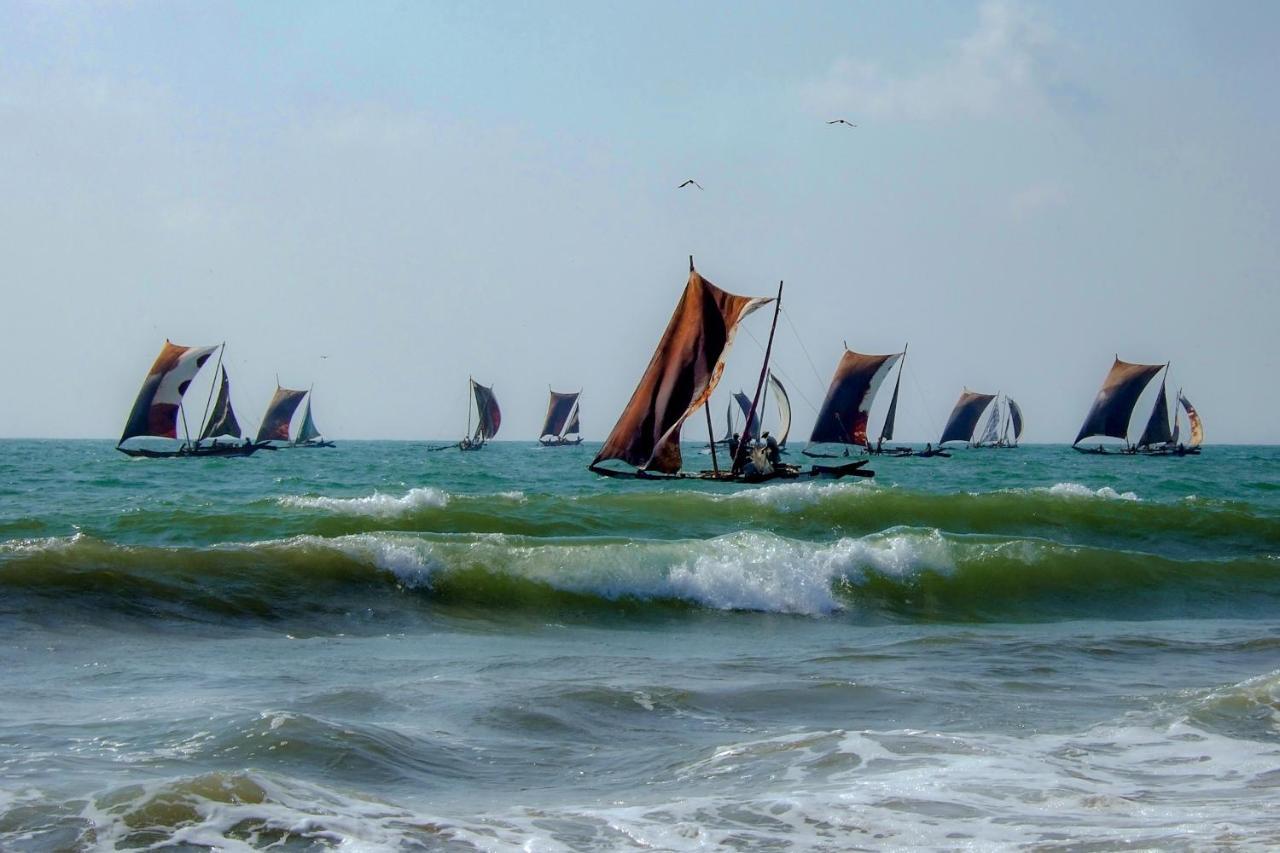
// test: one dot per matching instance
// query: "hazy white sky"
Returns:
(423, 192)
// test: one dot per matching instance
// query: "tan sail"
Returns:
(685, 368)
(1114, 404)
(1197, 428)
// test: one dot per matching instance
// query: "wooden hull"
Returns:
(782, 472)
(559, 442)
(307, 444)
(191, 453)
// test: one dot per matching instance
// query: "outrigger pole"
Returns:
(764, 372)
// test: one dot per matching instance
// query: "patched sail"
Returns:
(222, 420)
(490, 416)
(308, 431)
(847, 406)
(783, 402)
(275, 423)
(1114, 404)
(562, 413)
(1197, 428)
(1158, 430)
(684, 370)
(964, 417)
(155, 412)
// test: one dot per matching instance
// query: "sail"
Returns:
(222, 420)
(488, 411)
(275, 423)
(559, 411)
(1197, 428)
(308, 431)
(784, 409)
(1157, 431)
(886, 432)
(1114, 404)
(155, 412)
(684, 370)
(991, 432)
(1015, 416)
(752, 432)
(964, 417)
(843, 416)
(575, 426)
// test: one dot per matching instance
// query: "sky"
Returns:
(382, 199)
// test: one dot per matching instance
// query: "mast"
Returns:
(764, 371)
(471, 393)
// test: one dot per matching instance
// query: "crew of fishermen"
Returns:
(772, 452)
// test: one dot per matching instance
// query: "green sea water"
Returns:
(378, 647)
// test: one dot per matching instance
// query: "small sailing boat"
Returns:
(1113, 407)
(846, 410)
(309, 434)
(488, 417)
(1159, 439)
(1004, 424)
(685, 369)
(279, 414)
(963, 420)
(158, 408)
(561, 421)
(742, 403)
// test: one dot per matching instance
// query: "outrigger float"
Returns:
(686, 367)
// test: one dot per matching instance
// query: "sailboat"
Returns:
(846, 410)
(742, 403)
(685, 368)
(1113, 407)
(158, 408)
(561, 421)
(964, 418)
(309, 434)
(1004, 424)
(1159, 439)
(488, 417)
(279, 414)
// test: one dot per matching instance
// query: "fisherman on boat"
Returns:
(734, 443)
(772, 452)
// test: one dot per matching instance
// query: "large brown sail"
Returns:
(155, 412)
(684, 370)
(1114, 404)
(275, 423)
(844, 413)
(965, 415)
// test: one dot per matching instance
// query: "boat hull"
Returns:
(559, 442)
(191, 453)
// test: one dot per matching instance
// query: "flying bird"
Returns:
(842, 121)
(690, 181)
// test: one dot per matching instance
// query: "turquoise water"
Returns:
(392, 649)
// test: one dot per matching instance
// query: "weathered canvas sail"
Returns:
(684, 370)
(991, 432)
(784, 409)
(1015, 417)
(752, 432)
(275, 423)
(1114, 404)
(308, 431)
(843, 416)
(1158, 430)
(222, 420)
(886, 432)
(490, 416)
(964, 417)
(155, 412)
(575, 425)
(562, 412)
(1197, 428)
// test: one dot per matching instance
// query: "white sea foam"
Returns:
(789, 495)
(1077, 490)
(377, 504)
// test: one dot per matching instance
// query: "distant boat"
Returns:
(683, 372)
(1159, 438)
(158, 408)
(561, 421)
(963, 421)
(1113, 407)
(279, 414)
(846, 410)
(309, 434)
(488, 417)
(1004, 424)
(741, 402)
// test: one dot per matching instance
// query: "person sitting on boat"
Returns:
(771, 449)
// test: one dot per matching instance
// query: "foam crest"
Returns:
(1078, 490)
(377, 504)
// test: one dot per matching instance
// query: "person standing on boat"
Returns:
(734, 443)
(771, 449)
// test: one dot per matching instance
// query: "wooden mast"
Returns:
(764, 372)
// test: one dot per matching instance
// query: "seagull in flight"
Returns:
(842, 121)
(690, 181)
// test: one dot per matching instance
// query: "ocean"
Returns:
(379, 648)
